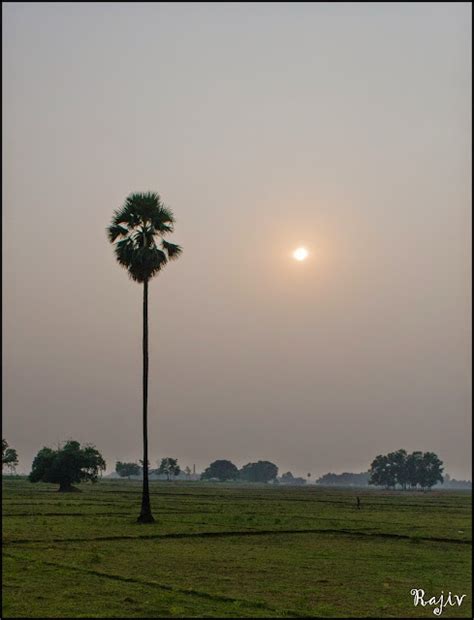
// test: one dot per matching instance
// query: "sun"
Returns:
(300, 254)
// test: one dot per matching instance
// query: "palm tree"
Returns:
(137, 231)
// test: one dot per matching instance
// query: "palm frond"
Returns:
(174, 251)
(144, 237)
(126, 215)
(115, 230)
(124, 251)
(162, 221)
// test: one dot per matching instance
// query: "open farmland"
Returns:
(231, 551)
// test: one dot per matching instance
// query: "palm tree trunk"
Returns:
(145, 514)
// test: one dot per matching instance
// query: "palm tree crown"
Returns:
(138, 225)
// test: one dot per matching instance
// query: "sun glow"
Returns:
(300, 254)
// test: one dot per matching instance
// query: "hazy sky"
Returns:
(342, 127)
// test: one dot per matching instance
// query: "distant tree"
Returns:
(431, 470)
(9, 456)
(397, 461)
(11, 461)
(67, 465)
(262, 471)
(222, 470)
(125, 470)
(288, 478)
(187, 471)
(169, 467)
(382, 472)
(137, 231)
(414, 468)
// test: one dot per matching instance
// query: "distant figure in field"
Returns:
(358, 503)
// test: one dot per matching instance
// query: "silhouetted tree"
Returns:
(288, 478)
(431, 470)
(382, 472)
(222, 470)
(67, 465)
(169, 467)
(125, 470)
(414, 467)
(134, 230)
(9, 456)
(398, 466)
(262, 471)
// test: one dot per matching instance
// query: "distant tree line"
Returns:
(167, 467)
(125, 470)
(344, 479)
(288, 478)
(223, 470)
(386, 471)
(416, 470)
(72, 464)
(452, 483)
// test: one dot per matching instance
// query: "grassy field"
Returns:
(231, 551)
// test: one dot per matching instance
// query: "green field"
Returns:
(231, 551)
